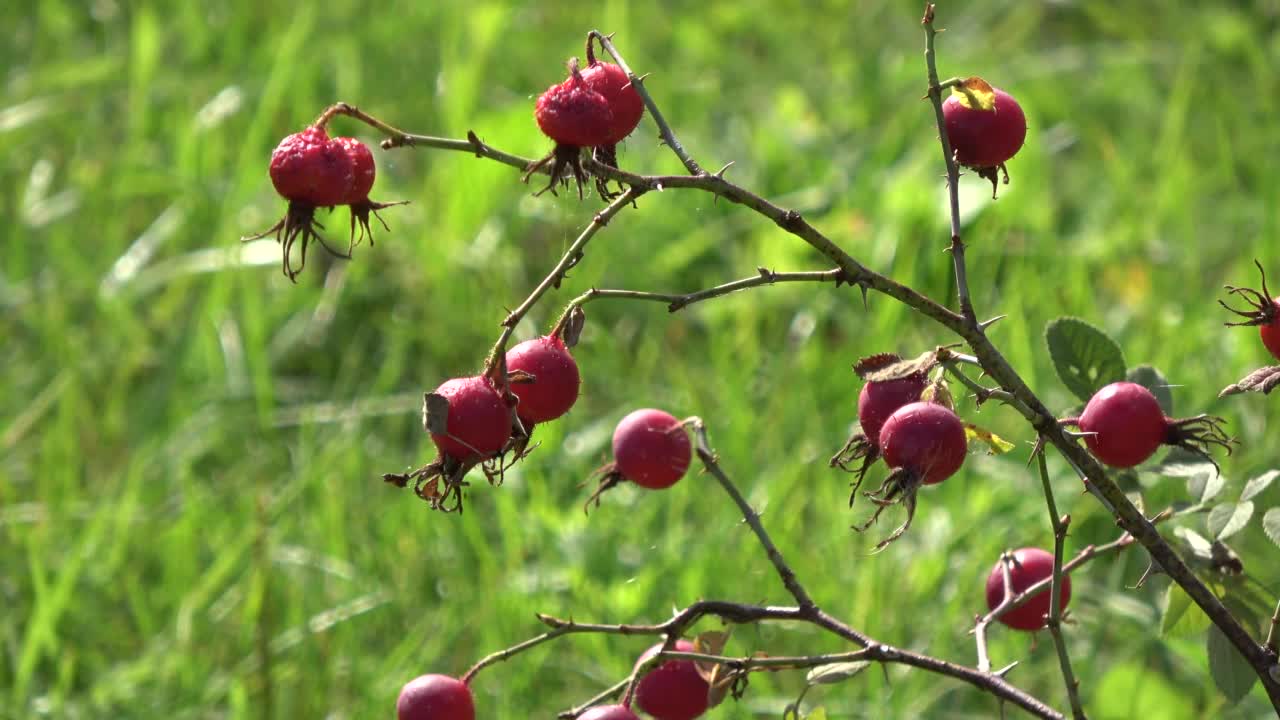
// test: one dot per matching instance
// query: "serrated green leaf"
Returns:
(1228, 519)
(1202, 548)
(1152, 379)
(1271, 524)
(1254, 487)
(836, 672)
(1182, 617)
(1231, 673)
(1085, 357)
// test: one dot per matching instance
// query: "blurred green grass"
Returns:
(191, 521)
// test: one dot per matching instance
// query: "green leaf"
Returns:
(1231, 673)
(1228, 519)
(836, 672)
(1152, 379)
(1200, 547)
(1255, 486)
(819, 713)
(1205, 487)
(1271, 524)
(1182, 618)
(1085, 357)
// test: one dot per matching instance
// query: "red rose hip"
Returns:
(556, 380)
(625, 106)
(651, 449)
(1126, 424)
(435, 697)
(1031, 565)
(479, 422)
(673, 690)
(926, 439)
(878, 400)
(984, 137)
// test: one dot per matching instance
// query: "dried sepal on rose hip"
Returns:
(1263, 312)
(923, 443)
(985, 128)
(1124, 425)
(469, 420)
(651, 448)
(575, 117)
(1026, 567)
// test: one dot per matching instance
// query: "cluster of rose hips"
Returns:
(312, 170)
(487, 420)
(595, 107)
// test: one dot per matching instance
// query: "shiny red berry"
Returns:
(554, 388)
(673, 690)
(1031, 565)
(478, 423)
(984, 138)
(651, 449)
(925, 438)
(1126, 422)
(624, 102)
(435, 697)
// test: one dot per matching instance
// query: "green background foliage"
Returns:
(191, 518)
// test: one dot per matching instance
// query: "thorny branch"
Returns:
(1261, 658)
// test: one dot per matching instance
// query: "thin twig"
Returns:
(507, 653)
(607, 694)
(1060, 524)
(982, 393)
(953, 169)
(570, 258)
(788, 576)
(676, 301)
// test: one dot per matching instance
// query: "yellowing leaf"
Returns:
(995, 444)
(975, 93)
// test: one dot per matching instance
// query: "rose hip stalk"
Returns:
(1126, 426)
(469, 420)
(650, 448)
(924, 443)
(575, 116)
